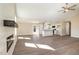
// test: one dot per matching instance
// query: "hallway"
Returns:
(53, 45)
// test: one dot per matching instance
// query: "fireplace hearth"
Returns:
(9, 42)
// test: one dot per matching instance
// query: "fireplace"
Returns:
(9, 41)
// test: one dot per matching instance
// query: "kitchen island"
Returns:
(47, 32)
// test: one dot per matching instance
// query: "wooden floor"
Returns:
(53, 45)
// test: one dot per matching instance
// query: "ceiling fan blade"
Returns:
(73, 6)
(63, 7)
(60, 10)
(71, 9)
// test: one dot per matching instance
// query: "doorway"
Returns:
(68, 28)
(35, 30)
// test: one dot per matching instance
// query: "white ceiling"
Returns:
(40, 12)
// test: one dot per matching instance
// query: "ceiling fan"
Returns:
(67, 8)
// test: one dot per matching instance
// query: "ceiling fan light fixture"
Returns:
(66, 10)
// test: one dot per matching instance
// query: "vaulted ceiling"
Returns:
(40, 12)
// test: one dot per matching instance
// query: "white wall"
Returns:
(24, 28)
(75, 26)
(7, 10)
